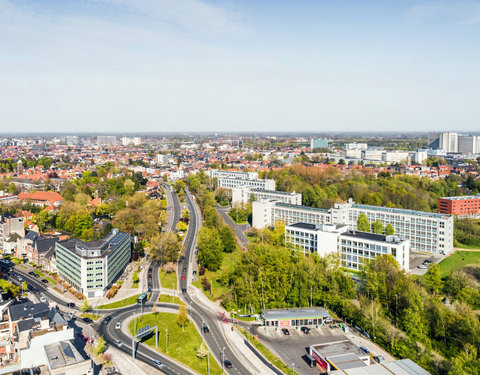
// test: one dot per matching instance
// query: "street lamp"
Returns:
(166, 339)
(293, 368)
(223, 360)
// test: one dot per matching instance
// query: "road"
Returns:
(239, 229)
(201, 314)
(173, 205)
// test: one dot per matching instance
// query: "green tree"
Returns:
(181, 226)
(228, 239)
(362, 223)
(24, 286)
(135, 277)
(85, 306)
(210, 248)
(389, 230)
(165, 247)
(377, 227)
(433, 278)
(100, 348)
(182, 316)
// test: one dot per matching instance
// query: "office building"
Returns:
(92, 267)
(453, 142)
(353, 246)
(427, 232)
(316, 143)
(11, 229)
(106, 140)
(231, 183)
(215, 173)
(294, 318)
(246, 194)
(467, 206)
(356, 146)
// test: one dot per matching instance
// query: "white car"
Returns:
(43, 299)
(118, 325)
(118, 342)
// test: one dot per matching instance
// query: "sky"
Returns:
(250, 65)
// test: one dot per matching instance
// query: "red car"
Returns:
(183, 277)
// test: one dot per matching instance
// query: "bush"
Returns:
(169, 267)
(206, 284)
(201, 271)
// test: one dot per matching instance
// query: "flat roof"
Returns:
(392, 239)
(339, 349)
(400, 211)
(459, 198)
(300, 207)
(398, 367)
(274, 192)
(300, 313)
(63, 353)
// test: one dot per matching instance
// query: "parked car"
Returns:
(70, 304)
(365, 349)
(194, 272)
(31, 273)
(427, 261)
(379, 359)
(305, 330)
(45, 281)
(286, 332)
(227, 364)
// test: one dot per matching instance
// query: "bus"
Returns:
(142, 299)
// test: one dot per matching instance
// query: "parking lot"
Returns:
(417, 259)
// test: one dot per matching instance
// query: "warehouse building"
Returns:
(294, 318)
(92, 267)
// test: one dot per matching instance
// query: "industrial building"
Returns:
(92, 267)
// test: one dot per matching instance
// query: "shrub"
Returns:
(206, 284)
(201, 271)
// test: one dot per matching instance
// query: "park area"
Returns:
(458, 260)
(183, 344)
(122, 303)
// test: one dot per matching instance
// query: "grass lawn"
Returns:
(91, 316)
(214, 277)
(37, 272)
(267, 353)
(51, 280)
(182, 346)
(168, 280)
(170, 299)
(122, 303)
(458, 260)
(463, 246)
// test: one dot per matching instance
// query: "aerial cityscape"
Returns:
(237, 187)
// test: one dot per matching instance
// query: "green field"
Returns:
(168, 280)
(183, 345)
(169, 299)
(122, 303)
(214, 277)
(458, 260)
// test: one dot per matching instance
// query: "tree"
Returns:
(181, 226)
(389, 230)
(24, 286)
(85, 306)
(155, 309)
(377, 227)
(182, 316)
(135, 277)
(100, 345)
(165, 247)
(202, 351)
(433, 278)
(228, 239)
(210, 248)
(362, 223)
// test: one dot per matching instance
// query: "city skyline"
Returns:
(193, 66)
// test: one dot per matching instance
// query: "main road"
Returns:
(173, 207)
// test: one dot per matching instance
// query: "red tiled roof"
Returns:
(47, 196)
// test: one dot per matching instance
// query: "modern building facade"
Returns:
(216, 173)
(454, 142)
(294, 318)
(353, 247)
(318, 143)
(427, 232)
(245, 194)
(464, 206)
(92, 267)
(231, 183)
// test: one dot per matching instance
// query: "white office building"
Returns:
(245, 194)
(215, 173)
(427, 231)
(353, 246)
(231, 183)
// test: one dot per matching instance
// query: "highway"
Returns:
(201, 314)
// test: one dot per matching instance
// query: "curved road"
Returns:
(174, 208)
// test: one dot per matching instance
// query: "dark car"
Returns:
(87, 320)
(285, 331)
(45, 281)
(228, 364)
(184, 290)
(31, 273)
(149, 285)
(365, 349)
(150, 276)
(205, 329)
(70, 304)
(107, 319)
(194, 272)
(184, 269)
(196, 252)
(305, 330)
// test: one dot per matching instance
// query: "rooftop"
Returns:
(300, 207)
(94, 249)
(274, 192)
(400, 211)
(63, 353)
(461, 198)
(373, 237)
(300, 313)
(28, 310)
(339, 349)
